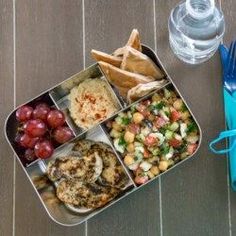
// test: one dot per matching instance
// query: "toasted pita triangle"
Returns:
(101, 56)
(137, 62)
(143, 89)
(134, 42)
(122, 78)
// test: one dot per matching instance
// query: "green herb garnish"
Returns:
(125, 120)
(157, 106)
(165, 149)
(184, 108)
(191, 127)
(122, 142)
(162, 130)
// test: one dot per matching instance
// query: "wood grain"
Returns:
(195, 194)
(48, 50)
(107, 27)
(229, 8)
(6, 105)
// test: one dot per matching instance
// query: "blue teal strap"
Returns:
(223, 135)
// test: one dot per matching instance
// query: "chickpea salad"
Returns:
(154, 134)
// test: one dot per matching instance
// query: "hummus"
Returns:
(91, 102)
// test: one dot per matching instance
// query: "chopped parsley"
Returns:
(191, 127)
(125, 120)
(184, 108)
(162, 130)
(165, 149)
(167, 113)
(182, 148)
(157, 106)
(122, 142)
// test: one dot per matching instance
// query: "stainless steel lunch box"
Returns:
(57, 96)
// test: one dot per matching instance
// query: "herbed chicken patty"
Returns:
(88, 195)
(88, 168)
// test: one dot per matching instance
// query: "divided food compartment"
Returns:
(58, 97)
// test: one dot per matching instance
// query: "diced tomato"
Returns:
(146, 153)
(109, 124)
(175, 115)
(191, 148)
(143, 110)
(141, 179)
(133, 128)
(146, 102)
(150, 140)
(159, 122)
(175, 143)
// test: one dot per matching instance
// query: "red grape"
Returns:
(30, 155)
(41, 111)
(63, 134)
(24, 113)
(17, 137)
(27, 141)
(43, 149)
(55, 118)
(35, 128)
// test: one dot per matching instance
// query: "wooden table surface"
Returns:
(42, 42)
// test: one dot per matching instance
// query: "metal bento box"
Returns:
(132, 146)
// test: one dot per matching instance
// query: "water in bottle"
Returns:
(196, 28)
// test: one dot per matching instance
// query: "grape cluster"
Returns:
(39, 128)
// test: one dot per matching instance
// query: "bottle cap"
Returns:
(200, 9)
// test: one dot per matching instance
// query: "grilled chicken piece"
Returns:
(82, 146)
(113, 173)
(88, 195)
(87, 168)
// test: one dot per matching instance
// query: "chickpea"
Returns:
(155, 170)
(178, 104)
(183, 155)
(130, 147)
(150, 174)
(115, 134)
(128, 160)
(151, 117)
(170, 162)
(116, 126)
(137, 117)
(185, 115)
(156, 97)
(129, 137)
(163, 165)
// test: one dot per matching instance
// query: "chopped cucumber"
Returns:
(174, 126)
(140, 137)
(139, 149)
(183, 129)
(170, 153)
(167, 93)
(164, 116)
(144, 165)
(138, 144)
(155, 151)
(138, 156)
(118, 146)
(118, 120)
(169, 134)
